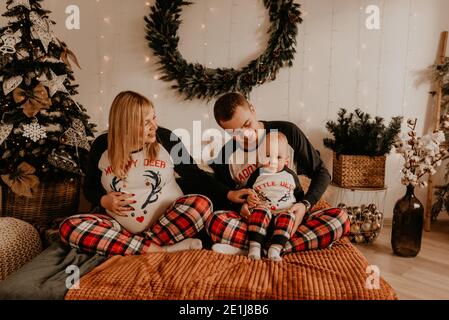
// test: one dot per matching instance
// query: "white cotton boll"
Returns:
(439, 163)
(429, 146)
(420, 143)
(439, 136)
(432, 171)
(426, 140)
(416, 159)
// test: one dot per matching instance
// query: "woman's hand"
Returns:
(118, 203)
(239, 196)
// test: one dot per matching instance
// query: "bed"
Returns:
(338, 273)
(335, 273)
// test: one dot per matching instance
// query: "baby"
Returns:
(278, 188)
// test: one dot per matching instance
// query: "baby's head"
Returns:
(276, 152)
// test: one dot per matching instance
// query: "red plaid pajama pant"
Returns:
(277, 227)
(318, 230)
(97, 233)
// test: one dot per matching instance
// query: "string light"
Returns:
(380, 62)
(331, 56)
(359, 56)
(303, 63)
(231, 26)
(100, 79)
(407, 54)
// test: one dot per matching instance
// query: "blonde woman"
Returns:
(131, 178)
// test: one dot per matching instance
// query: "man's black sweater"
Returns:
(304, 159)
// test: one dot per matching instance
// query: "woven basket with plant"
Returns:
(360, 146)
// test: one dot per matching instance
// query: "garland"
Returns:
(194, 80)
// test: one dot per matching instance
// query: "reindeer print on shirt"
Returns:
(155, 181)
(279, 191)
(151, 181)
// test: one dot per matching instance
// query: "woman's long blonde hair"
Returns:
(126, 128)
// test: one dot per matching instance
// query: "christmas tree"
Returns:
(44, 133)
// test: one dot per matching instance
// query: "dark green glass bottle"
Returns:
(408, 219)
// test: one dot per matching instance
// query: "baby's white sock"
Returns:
(254, 250)
(228, 249)
(274, 252)
(187, 244)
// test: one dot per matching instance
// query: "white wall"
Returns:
(339, 62)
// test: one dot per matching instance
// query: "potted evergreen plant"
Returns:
(360, 146)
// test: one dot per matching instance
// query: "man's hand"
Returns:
(240, 196)
(244, 211)
(299, 210)
(253, 200)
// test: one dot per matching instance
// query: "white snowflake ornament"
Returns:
(34, 131)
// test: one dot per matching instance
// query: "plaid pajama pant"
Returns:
(97, 233)
(263, 223)
(318, 230)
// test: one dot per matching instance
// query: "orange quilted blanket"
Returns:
(335, 273)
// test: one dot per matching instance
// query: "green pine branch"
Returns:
(359, 134)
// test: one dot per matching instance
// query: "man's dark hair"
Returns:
(225, 106)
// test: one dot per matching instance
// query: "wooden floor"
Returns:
(423, 277)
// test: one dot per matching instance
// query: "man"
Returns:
(238, 160)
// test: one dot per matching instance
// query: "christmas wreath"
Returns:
(197, 81)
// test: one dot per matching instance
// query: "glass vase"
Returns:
(408, 219)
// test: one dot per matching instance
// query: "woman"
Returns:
(131, 177)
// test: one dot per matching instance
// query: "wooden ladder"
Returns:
(441, 56)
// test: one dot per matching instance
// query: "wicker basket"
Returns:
(50, 200)
(359, 171)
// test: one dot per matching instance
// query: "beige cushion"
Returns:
(19, 243)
